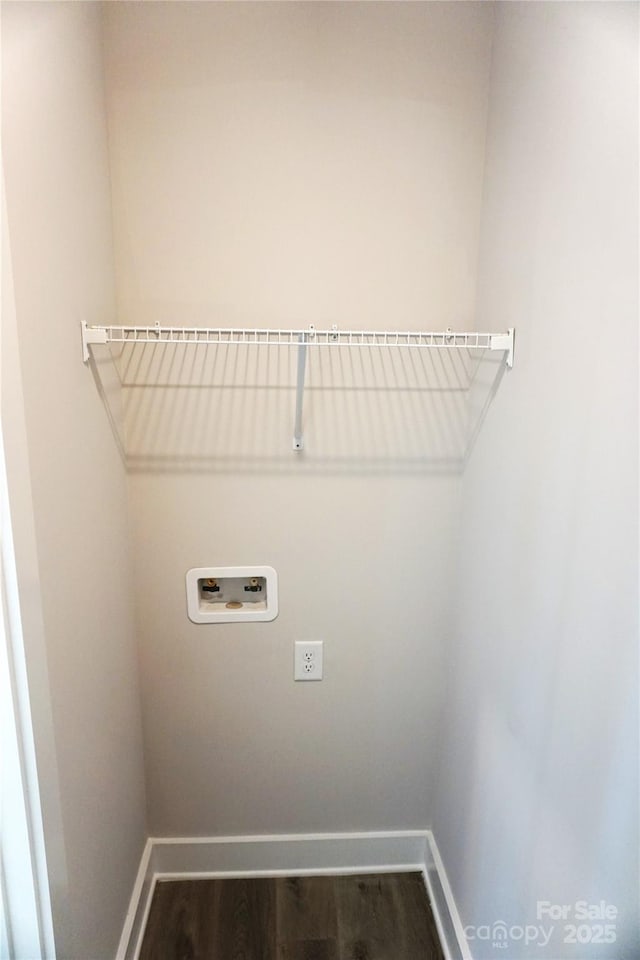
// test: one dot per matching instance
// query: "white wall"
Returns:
(538, 786)
(286, 164)
(57, 188)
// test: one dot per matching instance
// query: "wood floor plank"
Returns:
(309, 950)
(419, 921)
(177, 924)
(211, 920)
(384, 917)
(305, 909)
(245, 920)
(366, 918)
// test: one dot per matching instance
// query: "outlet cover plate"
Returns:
(308, 660)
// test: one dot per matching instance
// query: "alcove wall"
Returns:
(537, 790)
(284, 165)
(67, 486)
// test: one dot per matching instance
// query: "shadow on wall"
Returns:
(222, 408)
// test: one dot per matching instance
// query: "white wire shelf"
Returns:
(440, 340)
(471, 341)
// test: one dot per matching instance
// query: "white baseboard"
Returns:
(139, 904)
(292, 854)
(166, 858)
(443, 905)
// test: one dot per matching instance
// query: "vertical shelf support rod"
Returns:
(298, 439)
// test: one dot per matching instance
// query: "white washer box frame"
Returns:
(243, 614)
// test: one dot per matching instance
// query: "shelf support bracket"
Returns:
(298, 439)
(91, 335)
(504, 341)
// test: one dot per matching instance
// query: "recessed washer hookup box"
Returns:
(232, 594)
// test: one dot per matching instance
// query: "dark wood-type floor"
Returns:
(385, 917)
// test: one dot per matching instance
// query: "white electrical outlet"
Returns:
(308, 660)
